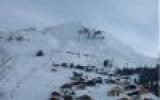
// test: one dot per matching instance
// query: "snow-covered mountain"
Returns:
(66, 38)
(102, 48)
(70, 42)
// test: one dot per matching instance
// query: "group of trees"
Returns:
(147, 76)
(91, 35)
(17, 38)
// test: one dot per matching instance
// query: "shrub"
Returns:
(53, 70)
(10, 38)
(19, 38)
(40, 53)
(90, 83)
(64, 64)
(80, 67)
(71, 65)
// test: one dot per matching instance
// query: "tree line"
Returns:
(148, 76)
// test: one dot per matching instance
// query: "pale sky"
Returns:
(134, 22)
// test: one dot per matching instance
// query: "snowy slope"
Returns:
(65, 38)
(101, 49)
(27, 77)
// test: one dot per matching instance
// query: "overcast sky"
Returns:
(134, 22)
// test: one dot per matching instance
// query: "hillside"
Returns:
(26, 76)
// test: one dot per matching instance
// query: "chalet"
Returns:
(98, 80)
(131, 87)
(84, 97)
(114, 91)
(53, 70)
(143, 90)
(81, 87)
(80, 67)
(77, 83)
(68, 97)
(67, 90)
(102, 71)
(90, 83)
(55, 96)
(124, 79)
(89, 68)
(125, 98)
(123, 82)
(55, 65)
(135, 95)
(64, 65)
(109, 81)
(77, 76)
(149, 96)
(66, 86)
(112, 76)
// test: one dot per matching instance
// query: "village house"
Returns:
(67, 90)
(84, 97)
(114, 92)
(123, 82)
(135, 95)
(125, 98)
(131, 87)
(143, 90)
(81, 87)
(55, 96)
(77, 76)
(148, 96)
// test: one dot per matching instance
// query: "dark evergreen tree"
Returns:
(148, 76)
(39, 53)
(106, 63)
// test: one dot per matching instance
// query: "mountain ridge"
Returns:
(67, 37)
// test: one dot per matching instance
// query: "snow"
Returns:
(149, 96)
(28, 77)
(33, 78)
